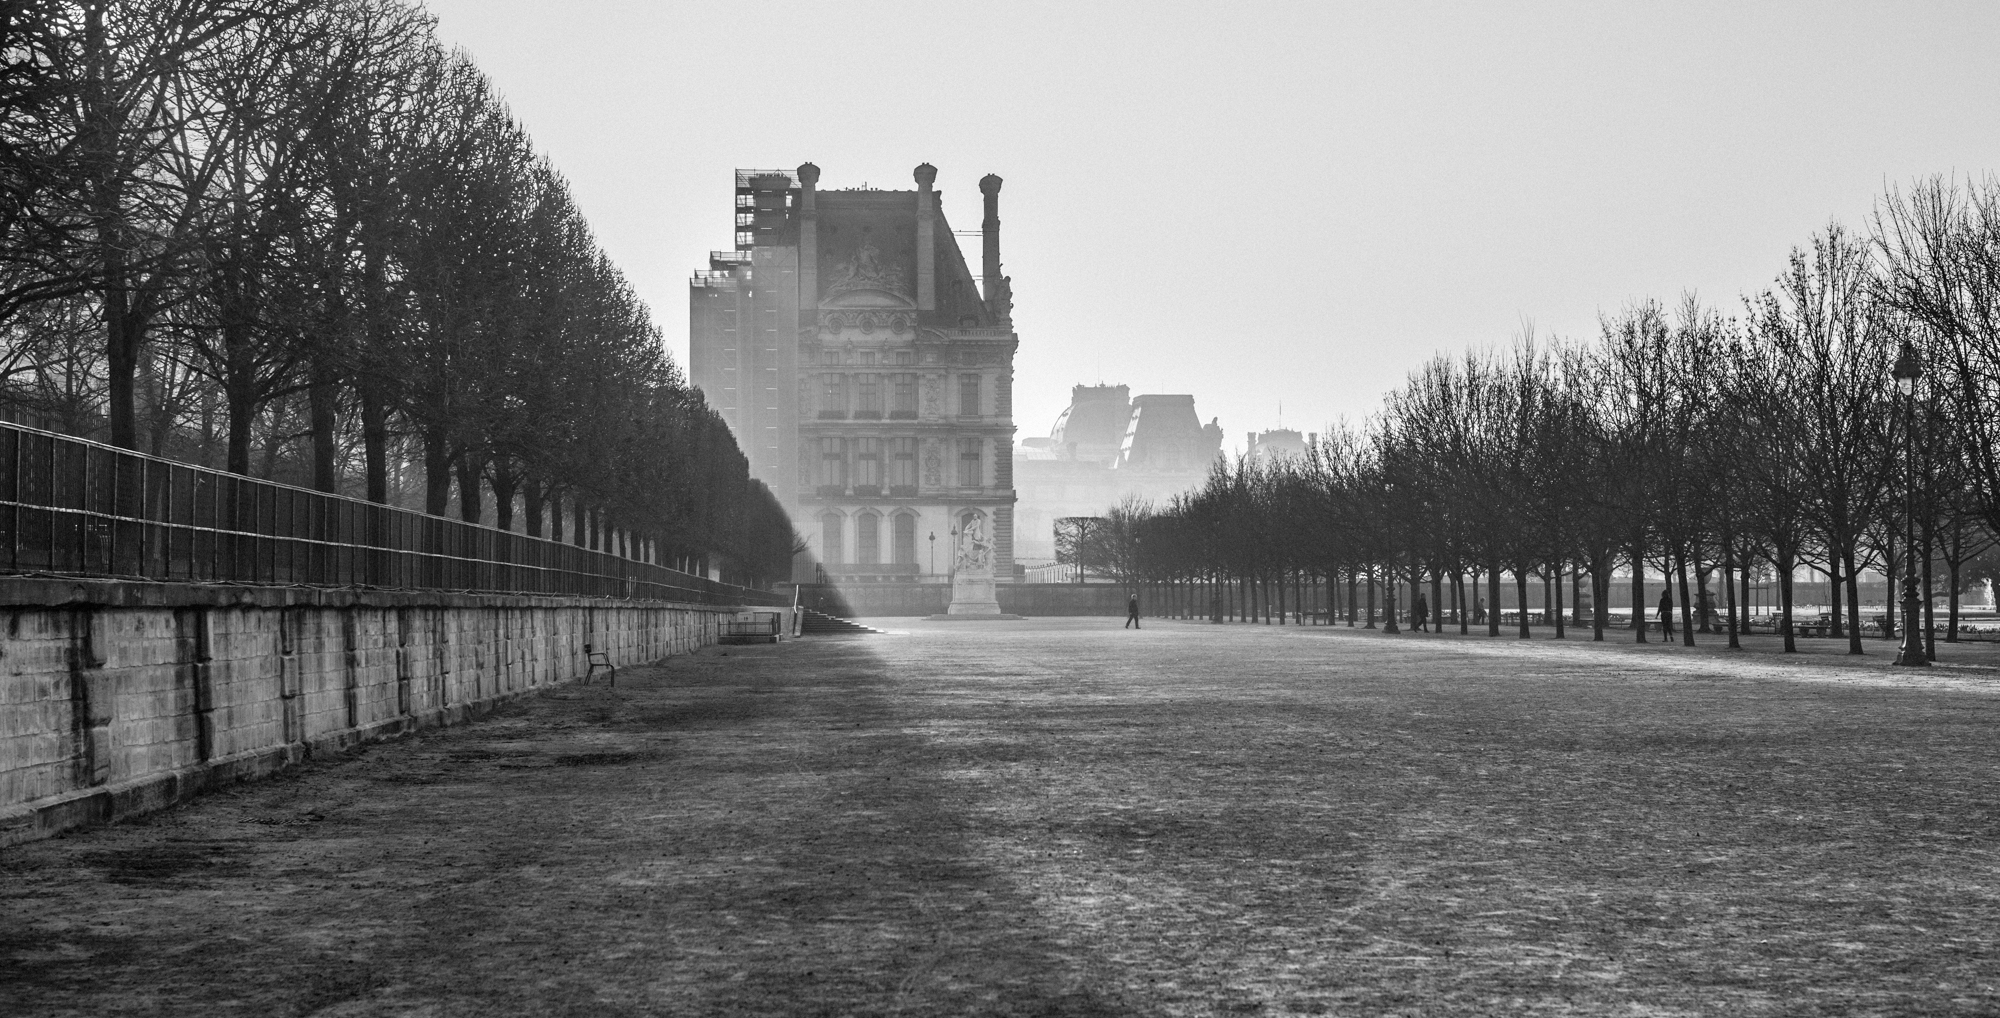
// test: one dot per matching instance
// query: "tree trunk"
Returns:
(375, 441)
(1951, 619)
(1559, 600)
(1521, 597)
(122, 340)
(1785, 566)
(242, 415)
(1929, 605)
(1639, 593)
(1893, 589)
(504, 485)
(374, 401)
(321, 398)
(1371, 600)
(469, 469)
(1687, 602)
(1836, 624)
(531, 502)
(1458, 595)
(1743, 603)
(437, 473)
(1729, 591)
(1853, 600)
(1437, 601)
(1493, 598)
(1600, 597)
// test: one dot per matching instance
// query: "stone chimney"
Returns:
(808, 246)
(993, 285)
(926, 238)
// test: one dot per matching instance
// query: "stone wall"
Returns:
(877, 600)
(117, 698)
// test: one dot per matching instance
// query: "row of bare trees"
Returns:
(1681, 444)
(298, 239)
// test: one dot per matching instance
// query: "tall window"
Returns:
(868, 396)
(868, 462)
(833, 395)
(905, 547)
(968, 463)
(833, 462)
(968, 395)
(868, 539)
(831, 552)
(904, 394)
(902, 463)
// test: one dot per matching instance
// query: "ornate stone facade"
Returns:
(887, 421)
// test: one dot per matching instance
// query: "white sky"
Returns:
(1265, 203)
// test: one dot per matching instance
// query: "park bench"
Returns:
(753, 627)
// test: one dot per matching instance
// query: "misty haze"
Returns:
(612, 508)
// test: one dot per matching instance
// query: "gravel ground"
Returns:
(1057, 817)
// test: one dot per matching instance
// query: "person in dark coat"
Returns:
(1421, 611)
(1666, 613)
(1132, 613)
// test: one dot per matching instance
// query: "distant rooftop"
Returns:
(743, 177)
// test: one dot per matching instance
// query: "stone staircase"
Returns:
(818, 623)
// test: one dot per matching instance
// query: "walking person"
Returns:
(1666, 613)
(1132, 613)
(1420, 615)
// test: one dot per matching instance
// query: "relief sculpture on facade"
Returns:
(933, 395)
(865, 270)
(933, 466)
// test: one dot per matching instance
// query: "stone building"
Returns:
(1277, 444)
(1107, 446)
(864, 370)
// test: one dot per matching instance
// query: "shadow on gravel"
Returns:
(855, 886)
(749, 832)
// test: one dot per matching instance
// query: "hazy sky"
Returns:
(1264, 203)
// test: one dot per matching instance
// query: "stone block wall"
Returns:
(121, 697)
(872, 600)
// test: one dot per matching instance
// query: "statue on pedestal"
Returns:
(972, 594)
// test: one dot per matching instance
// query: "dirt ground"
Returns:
(1060, 818)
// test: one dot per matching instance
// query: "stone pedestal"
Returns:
(972, 594)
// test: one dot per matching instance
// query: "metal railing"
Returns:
(71, 507)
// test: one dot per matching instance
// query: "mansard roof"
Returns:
(867, 257)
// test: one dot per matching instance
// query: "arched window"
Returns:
(868, 539)
(832, 551)
(904, 548)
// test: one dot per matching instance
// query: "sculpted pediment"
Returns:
(865, 279)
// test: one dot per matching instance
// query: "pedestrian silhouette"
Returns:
(1132, 613)
(1666, 613)
(1421, 612)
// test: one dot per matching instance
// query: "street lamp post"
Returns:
(1907, 372)
(933, 553)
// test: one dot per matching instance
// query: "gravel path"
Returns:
(1057, 817)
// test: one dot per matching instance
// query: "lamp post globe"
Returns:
(1907, 372)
